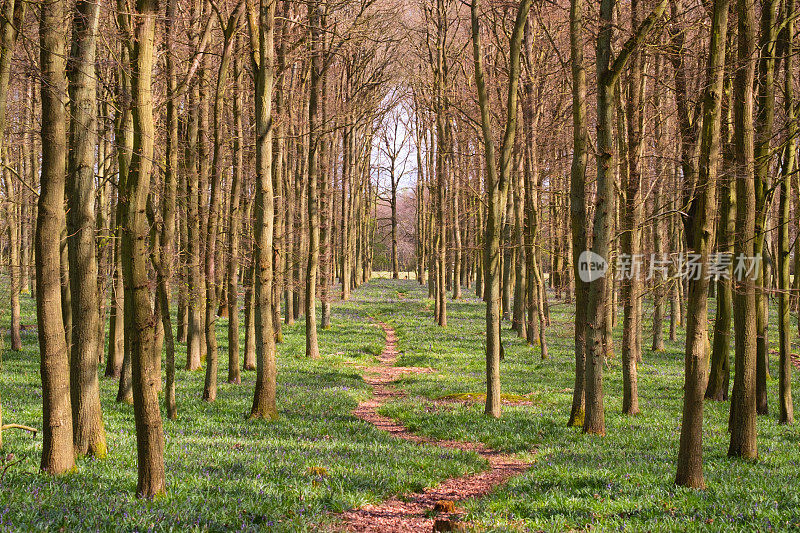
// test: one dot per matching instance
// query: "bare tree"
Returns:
(497, 186)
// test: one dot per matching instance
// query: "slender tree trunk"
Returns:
(700, 240)
(301, 216)
(87, 419)
(315, 139)
(33, 169)
(116, 339)
(289, 238)
(393, 221)
(14, 231)
(442, 144)
(578, 213)
(719, 375)
(674, 285)
(250, 316)
(301, 238)
(13, 16)
(594, 419)
(631, 222)
(234, 217)
(457, 248)
(214, 213)
(598, 298)
(328, 159)
(659, 249)
(347, 170)
(507, 265)
(262, 28)
(765, 118)
(520, 279)
(66, 293)
(183, 268)
(788, 166)
(203, 171)
(104, 233)
(169, 202)
(194, 335)
(279, 192)
(149, 429)
(743, 401)
(497, 186)
(441, 230)
(57, 449)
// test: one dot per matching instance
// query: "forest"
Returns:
(399, 265)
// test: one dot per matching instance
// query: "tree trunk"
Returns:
(719, 376)
(497, 187)
(169, 201)
(214, 212)
(183, 268)
(765, 118)
(250, 316)
(66, 293)
(519, 321)
(700, 240)
(347, 170)
(124, 136)
(579, 216)
(393, 219)
(262, 28)
(87, 419)
(659, 238)
(457, 249)
(598, 299)
(315, 138)
(631, 222)
(281, 228)
(194, 335)
(234, 228)
(788, 166)
(149, 429)
(14, 231)
(328, 159)
(116, 327)
(743, 401)
(57, 449)
(13, 16)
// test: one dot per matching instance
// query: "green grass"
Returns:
(622, 481)
(224, 472)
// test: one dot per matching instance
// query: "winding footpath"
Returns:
(418, 512)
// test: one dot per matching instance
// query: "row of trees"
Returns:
(188, 152)
(695, 154)
(203, 148)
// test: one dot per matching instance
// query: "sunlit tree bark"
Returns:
(262, 28)
(57, 448)
(87, 419)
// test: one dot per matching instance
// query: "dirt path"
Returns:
(418, 512)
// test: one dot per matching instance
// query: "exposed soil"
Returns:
(418, 511)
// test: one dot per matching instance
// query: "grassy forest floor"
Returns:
(225, 473)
